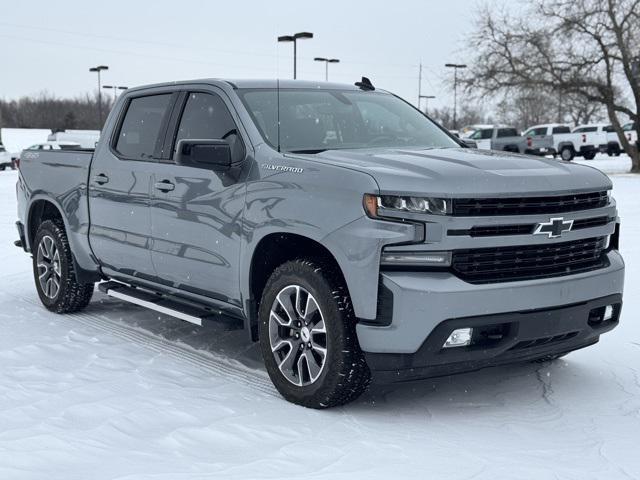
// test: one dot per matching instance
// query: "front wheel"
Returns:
(590, 155)
(308, 338)
(567, 154)
(53, 271)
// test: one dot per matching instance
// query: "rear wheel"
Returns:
(589, 155)
(567, 154)
(308, 338)
(53, 271)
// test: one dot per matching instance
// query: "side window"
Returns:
(536, 132)
(141, 126)
(585, 130)
(561, 130)
(507, 132)
(483, 134)
(206, 117)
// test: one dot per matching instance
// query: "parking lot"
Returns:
(119, 391)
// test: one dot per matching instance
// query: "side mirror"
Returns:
(469, 143)
(207, 154)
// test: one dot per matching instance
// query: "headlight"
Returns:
(377, 205)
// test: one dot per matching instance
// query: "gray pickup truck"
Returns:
(345, 231)
(501, 138)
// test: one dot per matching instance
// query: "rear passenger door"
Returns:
(197, 212)
(120, 185)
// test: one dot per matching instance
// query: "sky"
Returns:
(50, 46)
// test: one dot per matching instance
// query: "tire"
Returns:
(342, 374)
(53, 271)
(567, 154)
(589, 155)
(613, 150)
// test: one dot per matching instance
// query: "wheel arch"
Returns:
(271, 251)
(43, 208)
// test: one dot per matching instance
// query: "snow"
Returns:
(118, 392)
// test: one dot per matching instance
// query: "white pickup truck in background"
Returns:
(604, 136)
(630, 132)
(558, 139)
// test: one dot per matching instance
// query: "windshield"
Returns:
(313, 120)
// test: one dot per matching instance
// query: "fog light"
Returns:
(460, 337)
(608, 313)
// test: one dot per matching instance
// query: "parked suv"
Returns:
(346, 232)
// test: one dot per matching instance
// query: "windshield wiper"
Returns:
(310, 150)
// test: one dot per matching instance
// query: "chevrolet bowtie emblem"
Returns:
(554, 228)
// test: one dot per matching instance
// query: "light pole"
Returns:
(294, 38)
(99, 69)
(455, 67)
(115, 90)
(426, 102)
(326, 61)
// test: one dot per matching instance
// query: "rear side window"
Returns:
(483, 134)
(507, 132)
(585, 130)
(536, 132)
(206, 117)
(141, 126)
(561, 130)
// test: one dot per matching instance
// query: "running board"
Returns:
(161, 303)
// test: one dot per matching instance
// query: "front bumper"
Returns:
(417, 302)
(514, 337)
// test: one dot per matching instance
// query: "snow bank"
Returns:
(17, 139)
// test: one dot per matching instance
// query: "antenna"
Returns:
(278, 100)
(365, 84)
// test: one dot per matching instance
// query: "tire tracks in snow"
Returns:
(204, 361)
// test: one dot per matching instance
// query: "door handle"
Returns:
(101, 179)
(165, 186)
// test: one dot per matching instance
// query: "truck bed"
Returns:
(60, 176)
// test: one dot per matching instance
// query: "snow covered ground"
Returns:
(118, 392)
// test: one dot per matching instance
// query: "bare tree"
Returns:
(47, 111)
(468, 115)
(581, 49)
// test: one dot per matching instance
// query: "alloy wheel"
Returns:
(298, 335)
(49, 270)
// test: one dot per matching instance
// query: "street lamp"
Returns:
(326, 61)
(115, 90)
(99, 69)
(455, 67)
(426, 102)
(294, 38)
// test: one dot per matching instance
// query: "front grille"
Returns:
(476, 207)
(524, 228)
(508, 264)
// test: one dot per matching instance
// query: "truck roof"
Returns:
(257, 83)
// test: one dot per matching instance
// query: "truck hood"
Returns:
(464, 171)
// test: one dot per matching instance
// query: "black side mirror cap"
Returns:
(207, 154)
(469, 143)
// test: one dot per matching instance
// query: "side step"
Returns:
(168, 305)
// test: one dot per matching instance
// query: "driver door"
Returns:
(196, 213)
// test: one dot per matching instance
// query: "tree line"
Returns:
(48, 111)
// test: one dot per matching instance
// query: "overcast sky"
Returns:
(51, 45)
